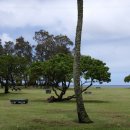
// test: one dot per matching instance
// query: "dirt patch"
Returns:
(54, 122)
(59, 111)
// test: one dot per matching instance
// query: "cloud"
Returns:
(110, 18)
(103, 16)
(5, 38)
(36, 12)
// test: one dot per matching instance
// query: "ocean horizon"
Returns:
(107, 86)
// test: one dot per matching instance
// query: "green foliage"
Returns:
(19, 61)
(35, 70)
(127, 78)
(12, 66)
(94, 70)
(51, 63)
(23, 48)
(50, 45)
(57, 69)
(58, 72)
(61, 67)
(9, 48)
(7, 65)
(1, 48)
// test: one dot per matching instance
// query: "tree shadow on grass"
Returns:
(89, 101)
(73, 101)
(7, 94)
(38, 101)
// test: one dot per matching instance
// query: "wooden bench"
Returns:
(19, 101)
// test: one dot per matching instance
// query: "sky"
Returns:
(106, 27)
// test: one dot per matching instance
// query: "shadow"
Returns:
(10, 93)
(73, 101)
(96, 101)
(88, 101)
(3, 94)
(39, 101)
(77, 122)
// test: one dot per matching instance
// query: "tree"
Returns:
(45, 46)
(55, 73)
(9, 48)
(1, 48)
(59, 73)
(5, 71)
(50, 45)
(82, 114)
(11, 68)
(62, 44)
(127, 78)
(23, 49)
(35, 72)
(93, 70)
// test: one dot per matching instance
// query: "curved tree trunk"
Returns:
(82, 115)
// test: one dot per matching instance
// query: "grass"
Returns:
(109, 108)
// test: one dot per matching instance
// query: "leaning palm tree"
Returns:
(82, 114)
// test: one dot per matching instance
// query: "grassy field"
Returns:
(109, 108)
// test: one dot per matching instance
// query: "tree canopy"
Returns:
(49, 45)
(21, 65)
(26, 58)
(127, 78)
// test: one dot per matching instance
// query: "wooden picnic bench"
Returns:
(19, 101)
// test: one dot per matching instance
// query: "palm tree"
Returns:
(82, 114)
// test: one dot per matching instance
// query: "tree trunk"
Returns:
(82, 115)
(6, 87)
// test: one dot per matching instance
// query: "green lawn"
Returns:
(109, 108)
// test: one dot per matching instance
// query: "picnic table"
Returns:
(19, 101)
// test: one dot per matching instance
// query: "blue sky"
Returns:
(106, 28)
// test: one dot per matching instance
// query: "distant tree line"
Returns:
(48, 64)
(16, 58)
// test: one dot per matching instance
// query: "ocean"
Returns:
(107, 86)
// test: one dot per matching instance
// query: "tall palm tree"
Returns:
(82, 114)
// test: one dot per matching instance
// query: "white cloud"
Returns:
(18, 13)
(5, 38)
(99, 16)
(107, 17)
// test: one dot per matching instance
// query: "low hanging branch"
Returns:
(55, 92)
(73, 96)
(53, 99)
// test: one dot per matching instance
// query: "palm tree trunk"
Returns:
(82, 115)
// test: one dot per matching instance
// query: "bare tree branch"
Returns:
(55, 92)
